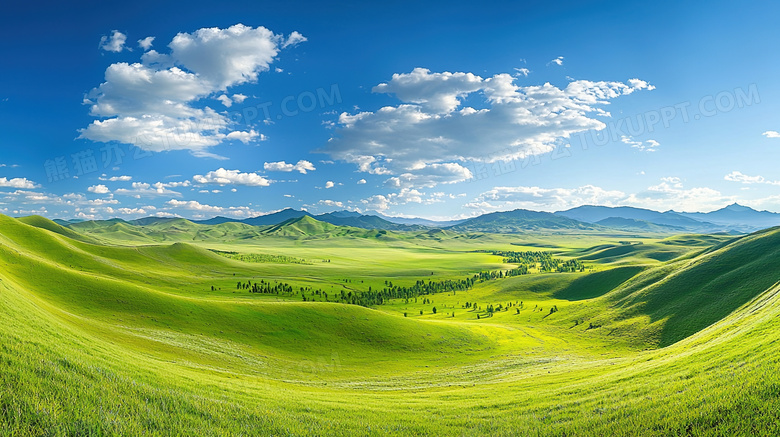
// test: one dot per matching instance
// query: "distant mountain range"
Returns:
(738, 217)
(519, 221)
(731, 219)
(338, 218)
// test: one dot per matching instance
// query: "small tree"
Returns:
(434, 310)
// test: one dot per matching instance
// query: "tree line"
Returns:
(545, 262)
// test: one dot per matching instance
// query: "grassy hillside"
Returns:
(44, 223)
(156, 339)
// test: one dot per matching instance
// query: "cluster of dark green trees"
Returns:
(265, 287)
(261, 257)
(544, 261)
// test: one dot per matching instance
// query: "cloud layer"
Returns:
(156, 103)
(427, 138)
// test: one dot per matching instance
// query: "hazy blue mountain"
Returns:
(594, 214)
(519, 221)
(362, 221)
(274, 218)
(628, 224)
(146, 221)
(738, 217)
(416, 220)
(218, 220)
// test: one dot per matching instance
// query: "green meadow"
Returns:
(115, 329)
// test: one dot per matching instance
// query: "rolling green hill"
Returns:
(157, 338)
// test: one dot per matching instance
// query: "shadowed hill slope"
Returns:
(682, 297)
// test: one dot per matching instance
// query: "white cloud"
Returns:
(668, 194)
(438, 92)
(557, 61)
(17, 183)
(98, 189)
(642, 146)
(146, 43)
(383, 202)
(234, 177)
(431, 175)
(122, 178)
(239, 98)
(771, 134)
(377, 202)
(522, 72)
(130, 211)
(361, 182)
(225, 100)
(294, 39)
(673, 181)
(194, 205)
(427, 138)
(143, 189)
(154, 104)
(301, 166)
(547, 199)
(331, 203)
(245, 137)
(329, 184)
(114, 43)
(736, 176)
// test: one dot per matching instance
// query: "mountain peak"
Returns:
(737, 207)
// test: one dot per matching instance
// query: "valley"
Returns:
(155, 326)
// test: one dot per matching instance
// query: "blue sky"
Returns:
(446, 110)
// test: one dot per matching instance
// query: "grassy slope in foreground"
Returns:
(59, 376)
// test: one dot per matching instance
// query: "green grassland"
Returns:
(108, 328)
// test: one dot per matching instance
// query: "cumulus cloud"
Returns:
(129, 211)
(294, 39)
(98, 189)
(232, 177)
(329, 184)
(146, 43)
(114, 43)
(331, 203)
(17, 183)
(301, 166)
(547, 199)
(143, 189)
(194, 205)
(668, 194)
(361, 181)
(225, 100)
(736, 176)
(245, 136)
(671, 194)
(642, 146)
(122, 178)
(771, 134)
(431, 175)
(156, 105)
(383, 202)
(429, 137)
(437, 92)
(522, 72)
(557, 61)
